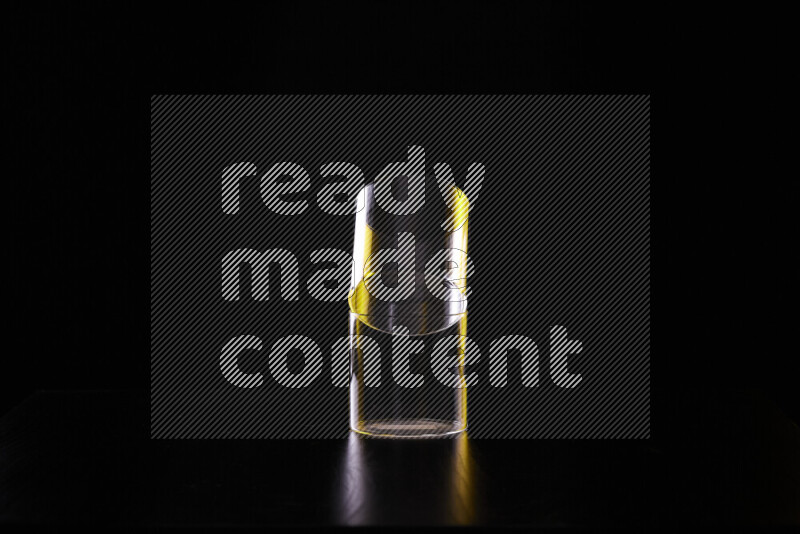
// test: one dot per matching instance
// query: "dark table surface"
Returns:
(86, 457)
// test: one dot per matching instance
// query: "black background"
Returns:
(78, 183)
(84, 77)
(560, 239)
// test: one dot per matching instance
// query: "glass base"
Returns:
(410, 428)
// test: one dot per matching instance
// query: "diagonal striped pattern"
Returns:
(260, 263)
(405, 258)
(403, 344)
(414, 171)
(330, 284)
(559, 232)
(472, 186)
(498, 360)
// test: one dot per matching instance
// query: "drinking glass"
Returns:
(408, 313)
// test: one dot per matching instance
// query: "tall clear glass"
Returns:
(408, 314)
